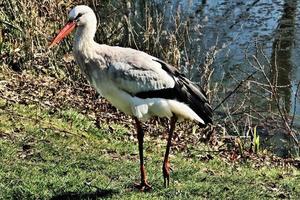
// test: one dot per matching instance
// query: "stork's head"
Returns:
(82, 15)
(79, 16)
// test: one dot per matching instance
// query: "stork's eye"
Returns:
(78, 16)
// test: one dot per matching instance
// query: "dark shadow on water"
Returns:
(99, 193)
(282, 66)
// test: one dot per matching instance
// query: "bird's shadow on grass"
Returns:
(99, 193)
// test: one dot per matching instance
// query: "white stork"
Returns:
(135, 82)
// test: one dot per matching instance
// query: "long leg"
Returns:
(166, 164)
(140, 135)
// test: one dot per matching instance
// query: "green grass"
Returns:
(63, 155)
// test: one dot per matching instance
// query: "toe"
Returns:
(143, 186)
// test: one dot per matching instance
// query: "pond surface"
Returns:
(239, 28)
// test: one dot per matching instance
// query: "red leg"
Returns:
(144, 186)
(166, 165)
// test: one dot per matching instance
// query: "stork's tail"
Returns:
(196, 99)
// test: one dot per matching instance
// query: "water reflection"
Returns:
(282, 65)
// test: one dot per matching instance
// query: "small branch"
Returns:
(273, 87)
(235, 89)
(11, 25)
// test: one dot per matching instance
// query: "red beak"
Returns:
(66, 30)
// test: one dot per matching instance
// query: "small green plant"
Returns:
(240, 145)
(255, 141)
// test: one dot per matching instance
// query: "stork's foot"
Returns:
(143, 186)
(166, 173)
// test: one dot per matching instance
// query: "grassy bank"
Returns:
(64, 154)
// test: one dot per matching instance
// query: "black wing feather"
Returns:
(184, 91)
